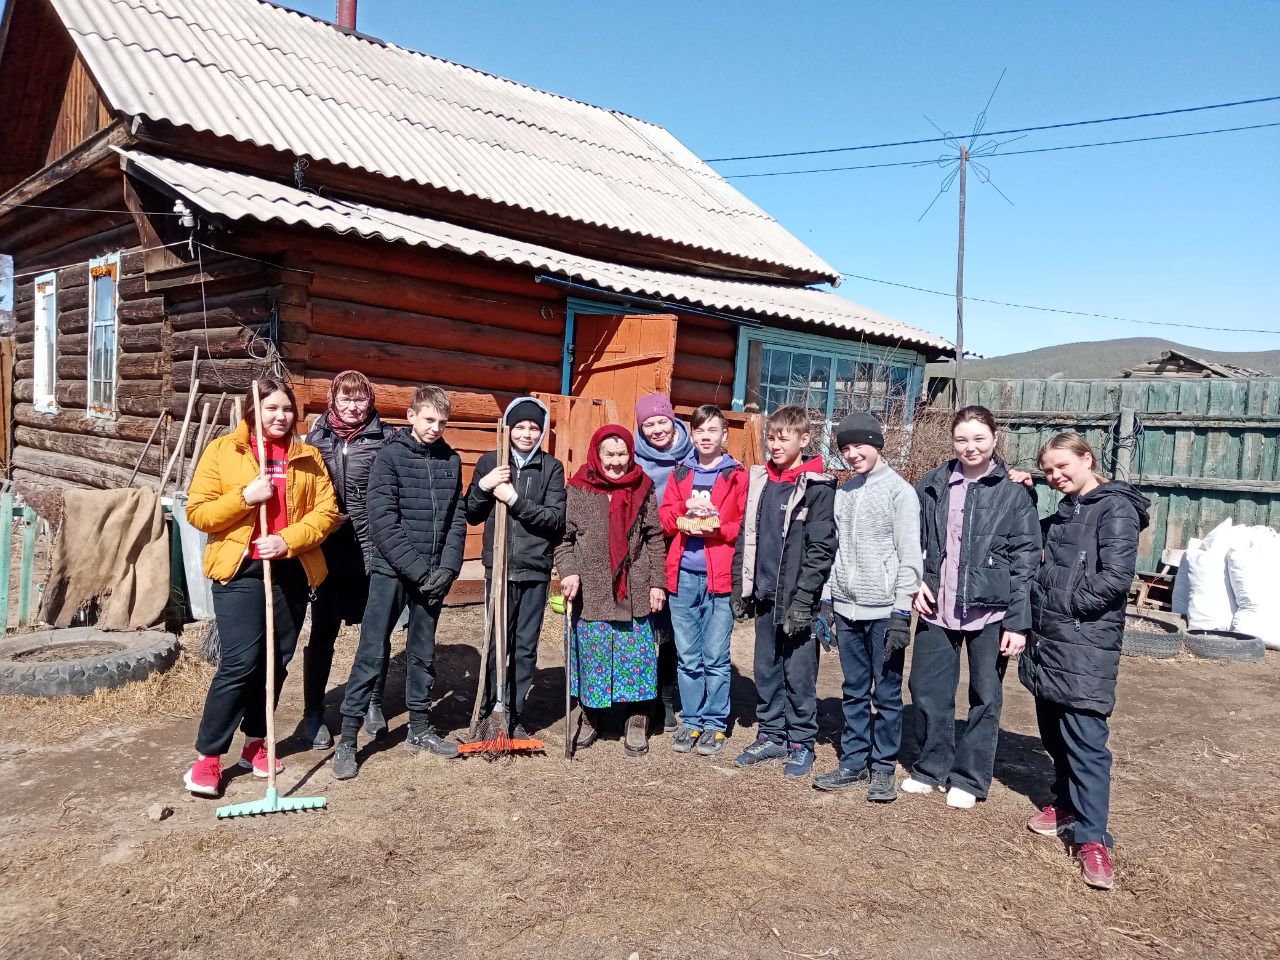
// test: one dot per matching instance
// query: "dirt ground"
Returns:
(610, 857)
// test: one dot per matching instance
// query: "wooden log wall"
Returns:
(162, 318)
(704, 368)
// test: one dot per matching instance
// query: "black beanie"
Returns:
(526, 409)
(860, 427)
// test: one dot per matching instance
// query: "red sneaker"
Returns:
(205, 776)
(1051, 822)
(254, 757)
(1095, 865)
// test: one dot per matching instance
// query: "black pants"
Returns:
(340, 598)
(526, 603)
(388, 596)
(238, 694)
(935, 672)
(1076, 741)
(668, 661)
(786, 671)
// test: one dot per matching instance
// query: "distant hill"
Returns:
(1098, 360)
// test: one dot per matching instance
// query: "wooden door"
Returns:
(622, 359)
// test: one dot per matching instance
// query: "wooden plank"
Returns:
(6, 553)
(29, 531)
(89, 473)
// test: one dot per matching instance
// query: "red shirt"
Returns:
(277, 508)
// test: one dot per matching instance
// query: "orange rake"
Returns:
(503, 745)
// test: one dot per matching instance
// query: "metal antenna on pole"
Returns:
(964, 155)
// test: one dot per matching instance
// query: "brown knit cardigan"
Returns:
(585, 551)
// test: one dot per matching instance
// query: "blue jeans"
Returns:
(867, 740)
(703, 623)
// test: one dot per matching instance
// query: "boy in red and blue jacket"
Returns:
(702, 511)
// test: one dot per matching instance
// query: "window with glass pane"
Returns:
(103, 275)
(46, 344)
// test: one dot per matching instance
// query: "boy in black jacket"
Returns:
(785, 550)
(418, 526)
(532, 487)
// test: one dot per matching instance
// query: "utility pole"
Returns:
(958, 383)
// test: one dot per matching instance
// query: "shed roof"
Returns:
(261, 74)
(1178, 360)
(239, 196)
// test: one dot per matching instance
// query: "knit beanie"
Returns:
(860, 427)
(526, 409)
(654, 405)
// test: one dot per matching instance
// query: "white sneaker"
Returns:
(960, 799)
(910, 785)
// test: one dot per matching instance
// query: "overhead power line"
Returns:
(1073, 313)
(1008, 153)
(1000, 133)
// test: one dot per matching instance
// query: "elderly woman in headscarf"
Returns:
(348, 435)
(612, 563)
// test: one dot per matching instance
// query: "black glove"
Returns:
(897, 633)
(824, 627)
(800, 615)
(743, 609)
(434, 587)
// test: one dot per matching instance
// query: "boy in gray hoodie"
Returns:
(876, 573)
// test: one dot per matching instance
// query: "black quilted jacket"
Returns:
(536, 522)
(349, 463)
(999, 547)
(1078, 599)
(417, 519)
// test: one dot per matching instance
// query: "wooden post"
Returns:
(959, 378)
(6, 548)
(29, 522)
(1124, 444)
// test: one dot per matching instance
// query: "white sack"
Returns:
(1209, 605)
(1182, 581)
(1252, 570)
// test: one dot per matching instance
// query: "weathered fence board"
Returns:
(1206, 449)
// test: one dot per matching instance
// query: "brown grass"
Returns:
(176, 693)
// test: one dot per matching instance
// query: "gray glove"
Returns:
(434, 587)
(800, 615)
(743, 609)
(897, 633)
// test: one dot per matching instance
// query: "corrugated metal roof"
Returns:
(237, 196)
(265, 75)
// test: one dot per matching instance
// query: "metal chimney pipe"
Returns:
(347, 14)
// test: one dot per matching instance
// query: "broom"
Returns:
(272, 802)
(493, 739)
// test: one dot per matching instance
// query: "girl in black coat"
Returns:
(1073, 656)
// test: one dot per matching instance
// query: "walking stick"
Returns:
(272, 802)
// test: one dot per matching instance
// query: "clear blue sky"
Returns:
(1184, 231)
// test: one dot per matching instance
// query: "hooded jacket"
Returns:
(217, 507)
(808, 538)
(349, 462)
(659, 464)
(1000, 544)
(535, 520)
(1079, 595)
(417, 520)
(729, 496)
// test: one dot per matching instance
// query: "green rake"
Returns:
(272, 802)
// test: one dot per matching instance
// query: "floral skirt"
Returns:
(613, 663)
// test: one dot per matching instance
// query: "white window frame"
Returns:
(97, 407)
(45, 387)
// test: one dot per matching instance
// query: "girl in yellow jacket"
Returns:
(228, 487)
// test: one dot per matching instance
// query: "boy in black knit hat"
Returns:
(532, 487)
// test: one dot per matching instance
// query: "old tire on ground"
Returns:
(1224, 645)
(133, 656)
(1149, 637)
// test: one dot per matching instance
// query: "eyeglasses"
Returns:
(351, 401)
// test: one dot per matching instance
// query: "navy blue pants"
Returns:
(786, 670)
(1076, 741)
(388, 597)
(935, 673)
(867, 740)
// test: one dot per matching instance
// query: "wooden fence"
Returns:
(1201, 450)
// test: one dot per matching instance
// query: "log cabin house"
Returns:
(282, 193)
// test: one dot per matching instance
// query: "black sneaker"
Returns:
(884, 787)
(428, 741)
(344, 761)
(375, 724)
(317, 733)
(518, 732)
(669, 721)
(684, 739)
(710, 743)
(762, 750)
(842, 778)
